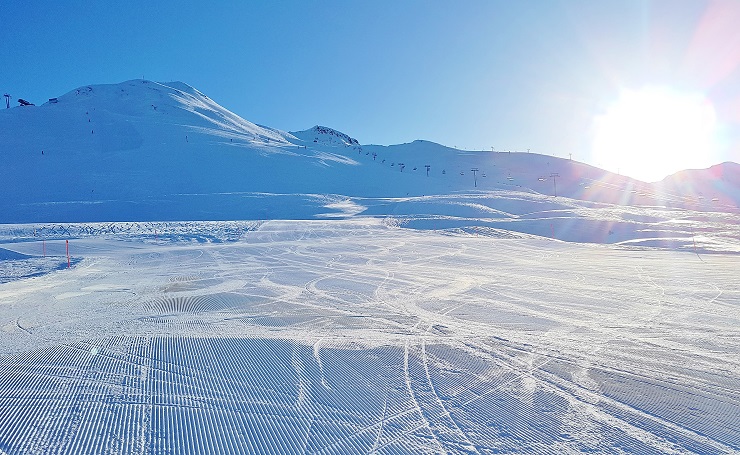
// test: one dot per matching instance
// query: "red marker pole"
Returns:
(69, 265)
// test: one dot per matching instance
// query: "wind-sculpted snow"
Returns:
(357, 336)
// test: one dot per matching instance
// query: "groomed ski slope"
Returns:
(356, 336)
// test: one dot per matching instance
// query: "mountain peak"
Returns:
(326, 135)
(140, 90)
(172, 103)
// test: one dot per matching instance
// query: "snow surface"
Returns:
(356, 336)
(363, 304)
(147, 151)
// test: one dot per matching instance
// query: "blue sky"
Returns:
(513, 75)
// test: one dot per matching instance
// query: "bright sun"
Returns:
(651, 133)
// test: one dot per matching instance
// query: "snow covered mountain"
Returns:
(716, 186)
(299, 334)
(142, 150)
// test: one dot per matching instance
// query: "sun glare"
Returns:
(650, 133)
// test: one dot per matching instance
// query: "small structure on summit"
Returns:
(23, 102)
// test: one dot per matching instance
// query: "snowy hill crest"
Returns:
(170, 103)
(142, 150)
(327, 136)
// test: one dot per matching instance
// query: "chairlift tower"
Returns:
(7, 101)
(427, 166)
(475, 177)
(553, 176)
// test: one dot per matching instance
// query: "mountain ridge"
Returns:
(147, 150)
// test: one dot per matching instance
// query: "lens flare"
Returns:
(650, 133)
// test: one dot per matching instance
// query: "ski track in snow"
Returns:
(350, 336)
